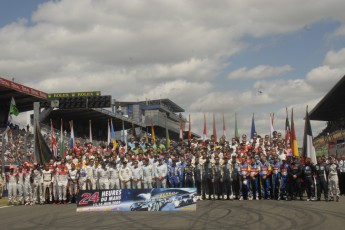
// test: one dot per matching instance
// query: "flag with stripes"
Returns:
(72, 141)
(167, 134)
(90, 131)
(271, 124)
(294, 144)
(112, 134)
(62, 143)
(224, 128)
(287, 133)
(214, 128)
(252, 130)
(308, 145)
(53, 139)
(108, 133)
(153, 136)
(204, 137)
(181, 129)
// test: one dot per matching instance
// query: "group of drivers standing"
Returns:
(237, 170)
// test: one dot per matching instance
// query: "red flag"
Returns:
(189, 130)
(214, 128)
(287, 132)
(53, 139)
(205, 132)
(294, 145)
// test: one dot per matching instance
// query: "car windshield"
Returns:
(137, 204)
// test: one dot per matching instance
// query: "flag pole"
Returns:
(224, 129)
(90, 130)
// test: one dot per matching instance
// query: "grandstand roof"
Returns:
(331, 107)
(167, 102)
(24, 96)
(98, 116)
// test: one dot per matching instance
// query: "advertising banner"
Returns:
(22, 88)
(74, 94)
(164, 199)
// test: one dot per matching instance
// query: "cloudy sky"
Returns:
(207, 56)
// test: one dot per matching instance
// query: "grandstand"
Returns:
(331, 109)
(20, 144)
(162, 114)
(17, 143)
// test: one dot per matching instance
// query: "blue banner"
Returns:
(163, 199)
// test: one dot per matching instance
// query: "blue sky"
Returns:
(12, 10)
(303, 49)
(210, 59)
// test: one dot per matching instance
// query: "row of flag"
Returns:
(290, 133)
(111, 137)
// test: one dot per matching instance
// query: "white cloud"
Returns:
(163, 39)
(179, 91)
(276, 95)
(335, 59)
(259, 72)
(172, 49)
(323, 78)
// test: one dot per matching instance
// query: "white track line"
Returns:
(6, 206)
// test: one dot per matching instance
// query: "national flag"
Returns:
(124, 135)
(167, 134)
(271, 124)
(308, 146)
(224, 128)
(204, 133)
(181, 129)
(72, 142)
(7, 130)
(13, 108)
(43, 153)
(53, 139)
(214, 129)
(112, 134)
(236, 129)
(108, 133)
(134, 133)
(294, 145)
(287, 132)
(90, 130)
(13, 111)
(62, 143)
(189, 130)
(252, 131)
(153, 137)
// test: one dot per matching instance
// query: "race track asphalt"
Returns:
(209, 215)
